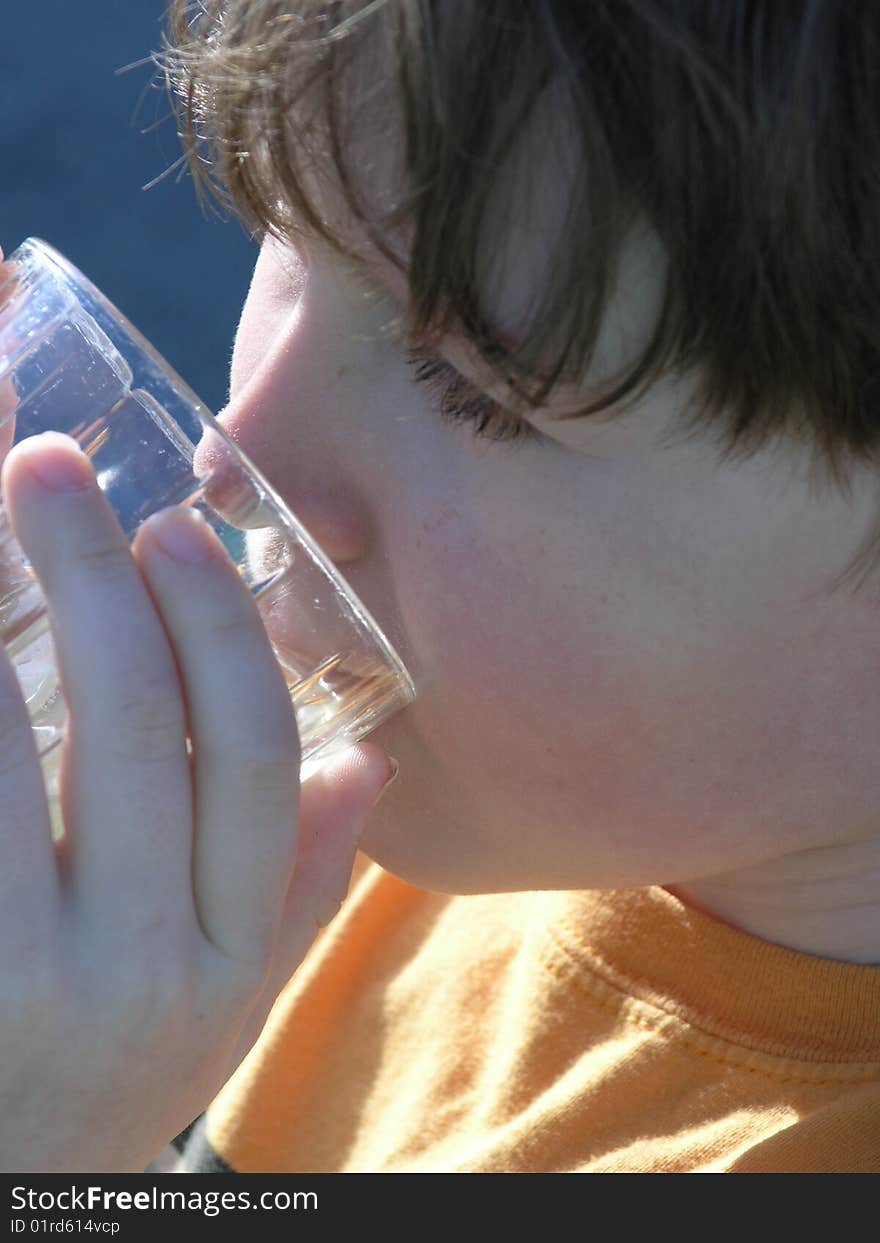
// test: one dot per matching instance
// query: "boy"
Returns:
(560, 342)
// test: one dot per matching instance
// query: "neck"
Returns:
(823, 901)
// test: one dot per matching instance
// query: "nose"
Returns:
(271, 418)
(328, 514)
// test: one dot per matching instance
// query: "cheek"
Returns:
(494, 599)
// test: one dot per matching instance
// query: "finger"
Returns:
(29, 877)
(126, 793)
(246, 752)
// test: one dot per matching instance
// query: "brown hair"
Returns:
(746, 133)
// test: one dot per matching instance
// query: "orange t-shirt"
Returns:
(552, 1031)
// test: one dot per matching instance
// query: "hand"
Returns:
(140, 956)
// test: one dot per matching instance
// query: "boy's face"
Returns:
(629, 669)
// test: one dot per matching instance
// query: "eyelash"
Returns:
(459, 402)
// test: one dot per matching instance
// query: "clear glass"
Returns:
(70, 362)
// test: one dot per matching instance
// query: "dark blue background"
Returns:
(74, 161)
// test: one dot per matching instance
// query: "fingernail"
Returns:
(394, 770)
(67, 471)
(183, 534)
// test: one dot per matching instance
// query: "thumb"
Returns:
(335, 803)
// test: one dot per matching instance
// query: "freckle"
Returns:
(341, 372)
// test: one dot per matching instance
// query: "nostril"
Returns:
(333, 519)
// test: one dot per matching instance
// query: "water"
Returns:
(337, 702)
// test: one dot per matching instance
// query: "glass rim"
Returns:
(48, 259)
(54, 263)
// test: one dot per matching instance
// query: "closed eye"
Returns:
(458, 401)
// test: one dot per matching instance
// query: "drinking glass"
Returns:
(71, 362)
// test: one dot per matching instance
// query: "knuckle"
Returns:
(151, 721)
(106, 558)
(228, 626)
(265, 765)
(262, 750)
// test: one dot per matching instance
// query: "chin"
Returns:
(418, 851)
